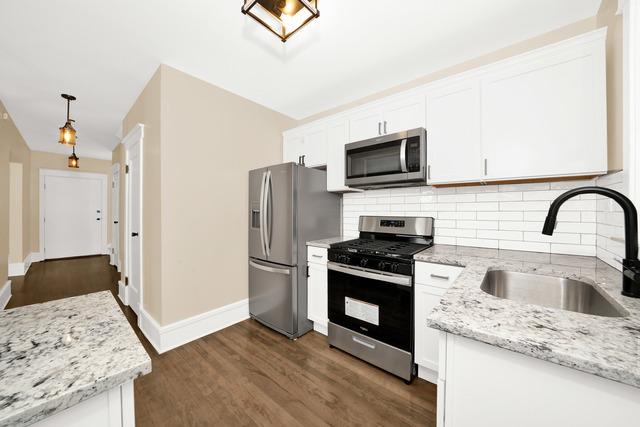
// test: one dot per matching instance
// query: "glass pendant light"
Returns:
(282, 17)
(73, 160)
(67, 132)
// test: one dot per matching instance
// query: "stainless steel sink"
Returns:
(548, 291)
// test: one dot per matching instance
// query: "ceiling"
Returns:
(105, 52)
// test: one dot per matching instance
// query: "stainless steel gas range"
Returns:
(371, 292)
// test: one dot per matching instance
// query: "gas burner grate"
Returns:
(382, 247)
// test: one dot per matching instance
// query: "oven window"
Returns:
(379, 159)
(378, 309)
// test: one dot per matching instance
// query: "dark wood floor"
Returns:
(246, 374)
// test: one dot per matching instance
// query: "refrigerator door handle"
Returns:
(285, 271)
(268, 204)
(262, 214)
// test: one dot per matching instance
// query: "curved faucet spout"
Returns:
(631, 265)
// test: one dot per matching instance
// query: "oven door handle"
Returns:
(366, 273)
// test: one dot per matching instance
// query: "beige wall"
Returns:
(211, 139)
(146, 110)
(604, 18)
(13, 148)
(200, 143)
(42, 160)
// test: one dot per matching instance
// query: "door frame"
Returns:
(81, 175)
(115, 215)
(135, 136)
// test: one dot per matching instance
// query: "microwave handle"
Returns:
(403, 155)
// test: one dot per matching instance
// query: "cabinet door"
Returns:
(454, 152)
(547, 116)
(315, 146)
(403, 115)
(292, 148)
(365, 124)
(426, 338)
(317, 294)
(337, 137)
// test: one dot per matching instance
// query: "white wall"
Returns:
(494, 216)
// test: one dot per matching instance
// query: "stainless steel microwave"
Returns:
(395, 160)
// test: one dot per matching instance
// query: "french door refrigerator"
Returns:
(288, 206)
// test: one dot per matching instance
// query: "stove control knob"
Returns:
(363, 262)
(381, 265)
(394, 267)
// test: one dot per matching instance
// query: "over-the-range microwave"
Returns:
(395, 160)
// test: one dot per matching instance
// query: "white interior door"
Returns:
(115, 215)
(133, 229)
(72, 215)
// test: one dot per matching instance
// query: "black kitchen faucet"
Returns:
(630, 263)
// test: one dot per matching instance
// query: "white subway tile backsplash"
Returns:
(508, 216)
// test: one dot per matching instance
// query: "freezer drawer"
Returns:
(272, 296)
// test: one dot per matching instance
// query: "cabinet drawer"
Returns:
(438, 275)
(316, 255)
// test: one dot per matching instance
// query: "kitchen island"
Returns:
(69, 362)
(504, 362)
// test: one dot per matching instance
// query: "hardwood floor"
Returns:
(244, 375)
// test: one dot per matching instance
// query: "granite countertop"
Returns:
(605, 346)
(326, 243)
(43, 370)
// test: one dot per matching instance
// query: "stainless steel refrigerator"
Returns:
(288, 206)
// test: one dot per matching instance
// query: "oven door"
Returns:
(378, 305)
(395, 158)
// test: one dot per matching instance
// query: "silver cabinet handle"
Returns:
(437, 276)
(316, 256)
(269, 269)
(366, 344)
(385, 127)
(428, 171)
(379, 126)
(485, 166)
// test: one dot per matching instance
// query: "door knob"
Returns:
(134, 234)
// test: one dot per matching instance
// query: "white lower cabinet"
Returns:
(317, 290)
(432, 281)
(484, 385)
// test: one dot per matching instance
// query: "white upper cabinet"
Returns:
(453, 133)
(292, 147)
(403, 115)
(337, 138)
(390, 117)
(365, 124)
(545, 115)
(308, 142)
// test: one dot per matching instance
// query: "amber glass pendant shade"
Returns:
(67, 135)
(282, 17)
(73, 160)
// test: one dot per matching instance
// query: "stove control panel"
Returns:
(372, 262)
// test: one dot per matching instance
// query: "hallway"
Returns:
(245, 374)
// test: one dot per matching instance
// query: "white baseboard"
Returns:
(320, 328)
(428, 374)
(5, 294)
(37, 256)
(122, 293)
(27, 262)
(16, 269)
(165, 338)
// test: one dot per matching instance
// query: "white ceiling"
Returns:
(104, 52)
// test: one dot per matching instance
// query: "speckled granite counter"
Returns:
(607, 347)
(44, 371)
(326, 243)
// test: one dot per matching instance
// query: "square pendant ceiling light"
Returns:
(282, 17)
